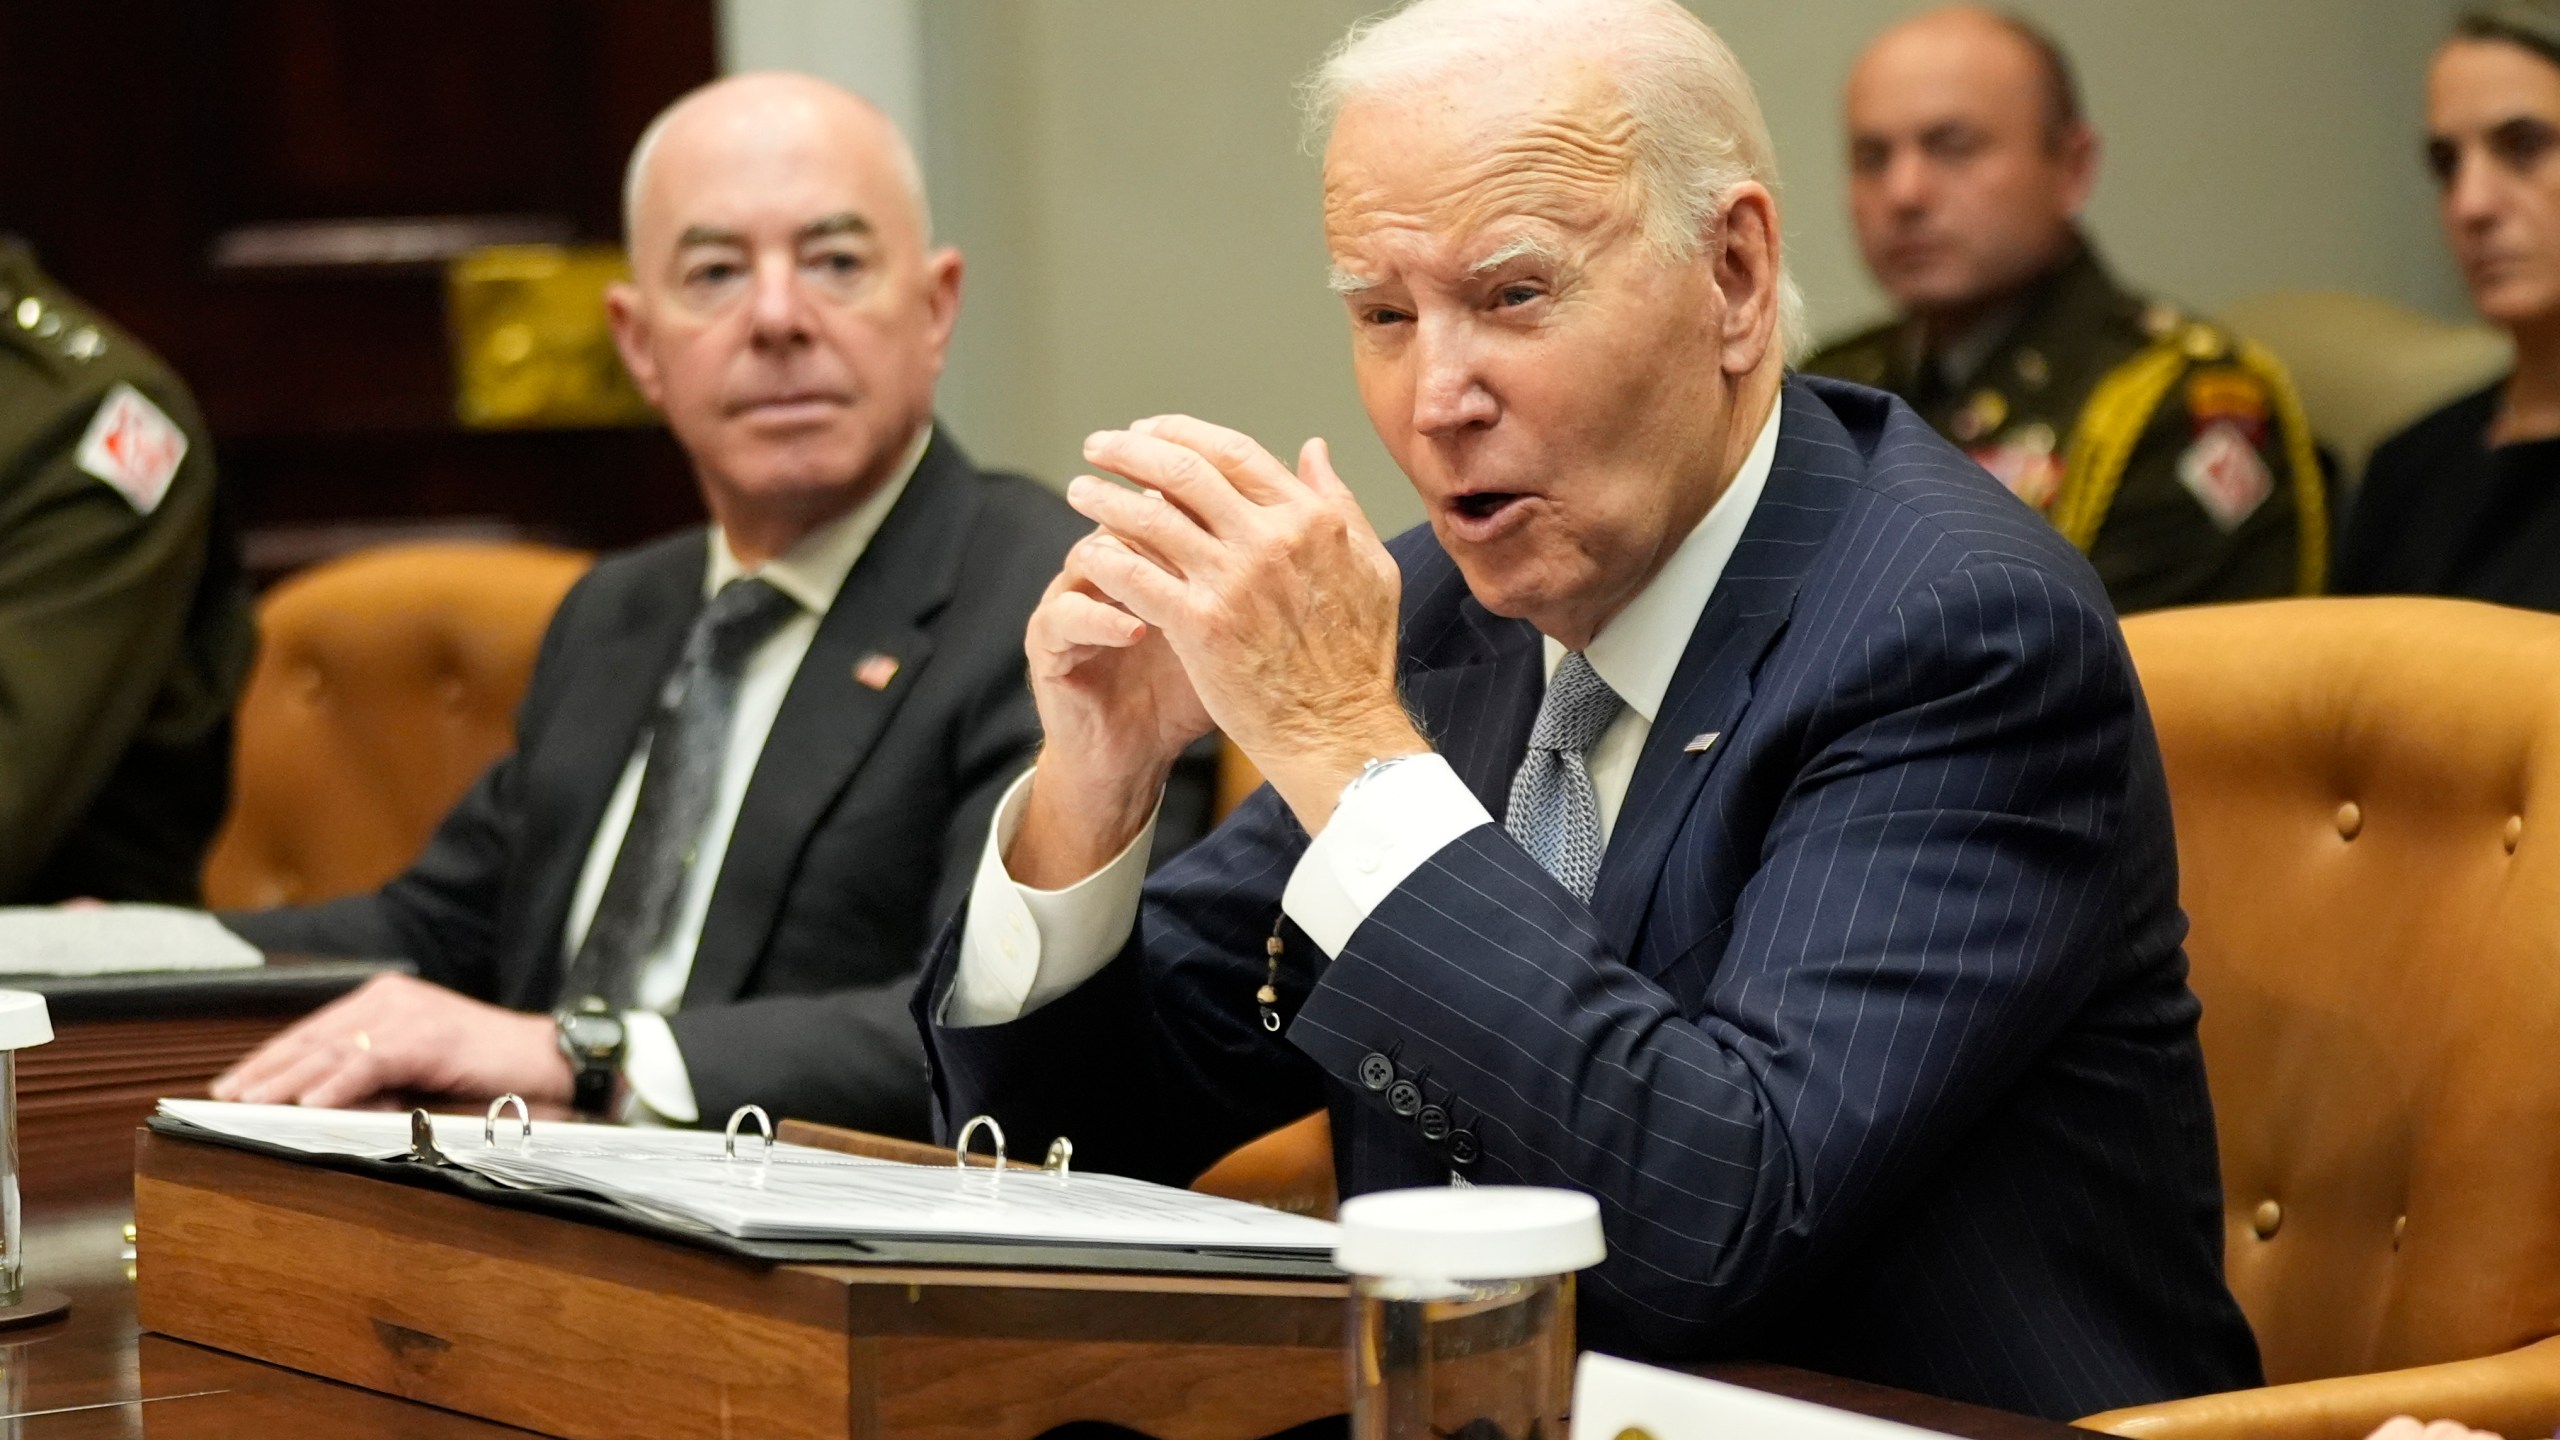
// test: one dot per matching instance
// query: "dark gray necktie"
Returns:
(688, 740)
(1555, 812)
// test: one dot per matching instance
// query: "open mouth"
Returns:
(1485, 504)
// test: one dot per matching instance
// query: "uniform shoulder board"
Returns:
(2160, 320)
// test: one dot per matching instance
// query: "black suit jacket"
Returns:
(858, 832)
(1874, 1041)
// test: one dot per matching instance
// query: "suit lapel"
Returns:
(1474, 681)
(867, 656)
(1712, 686)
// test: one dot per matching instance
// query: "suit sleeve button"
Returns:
(1462, 1147)
(1377, 1072)
(1404, 1097)
(1434, 1122)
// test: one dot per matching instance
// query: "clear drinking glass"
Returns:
(1462, 1302)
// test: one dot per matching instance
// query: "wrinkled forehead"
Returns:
(779, 166)
(1447, 164)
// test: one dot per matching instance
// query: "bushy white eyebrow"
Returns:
(1527, 246)
(1342, 282)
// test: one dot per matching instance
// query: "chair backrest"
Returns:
(2366, 367)
(2367, 799)
(386, 683)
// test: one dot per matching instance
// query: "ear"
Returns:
(2079, 161)
(629, 317)
(1747, 267)
(942, 273)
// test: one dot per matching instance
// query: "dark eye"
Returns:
(714, 272)
(1955, 143)
(2521, 145)
(1382, 315)
(1869, 157)
(2444, 159)
(1518, 294)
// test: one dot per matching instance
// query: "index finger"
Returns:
(1256, 473)
(1177, 472)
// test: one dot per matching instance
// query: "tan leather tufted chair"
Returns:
(386, 682)
(2368, 813)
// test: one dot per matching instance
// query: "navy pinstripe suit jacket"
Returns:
(1874, 1042)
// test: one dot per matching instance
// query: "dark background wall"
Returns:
(264, 191)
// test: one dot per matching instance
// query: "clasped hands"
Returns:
(1228, 591)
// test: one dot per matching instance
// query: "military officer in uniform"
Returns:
(2171, 451)
(125, 629)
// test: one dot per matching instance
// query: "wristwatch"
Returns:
(591, 1036)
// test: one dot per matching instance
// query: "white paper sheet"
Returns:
(117, 939)
(801, 1193)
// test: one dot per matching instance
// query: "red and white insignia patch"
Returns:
(2226, 475)
(134, 446)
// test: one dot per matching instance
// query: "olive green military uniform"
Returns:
(125, 629)
(2173, 453)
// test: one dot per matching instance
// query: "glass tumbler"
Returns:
(1462, 1310)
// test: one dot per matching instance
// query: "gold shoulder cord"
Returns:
(2310, 496)
(2120, 409)
(2102, 439)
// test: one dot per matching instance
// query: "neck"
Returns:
(1750, 405)
(2530, 408)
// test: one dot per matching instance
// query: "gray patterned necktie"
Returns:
(1555, 814)
(688, 740)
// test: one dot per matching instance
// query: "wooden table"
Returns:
(95, 1374)
(121, 1042)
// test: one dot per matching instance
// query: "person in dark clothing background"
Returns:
(2466, 502)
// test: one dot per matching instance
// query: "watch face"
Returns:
(593, 1034)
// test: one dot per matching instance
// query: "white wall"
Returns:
(1142, 231)
(873, 47)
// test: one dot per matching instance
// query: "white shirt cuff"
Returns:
(1380, 833)
(661, 1087)
(1021, 948)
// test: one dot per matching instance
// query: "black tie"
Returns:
(688, 739)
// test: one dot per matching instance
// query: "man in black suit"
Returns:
(754, 762)
(1734, 805)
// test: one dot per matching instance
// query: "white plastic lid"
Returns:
(22, 1020)
(1492, 1232)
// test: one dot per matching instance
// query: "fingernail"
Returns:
(1098, 440)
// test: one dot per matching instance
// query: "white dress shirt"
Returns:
(810, 573)
(1021, 948)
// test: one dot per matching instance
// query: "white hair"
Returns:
(1697, 122)
(902, 155)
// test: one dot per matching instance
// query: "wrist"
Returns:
(1313, 777)
(1072, 826)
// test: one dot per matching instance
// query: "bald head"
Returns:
(2022, 57)
(1969, 161)
(763, 111)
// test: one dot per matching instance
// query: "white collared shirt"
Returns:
(1021, 948)
(811, 573)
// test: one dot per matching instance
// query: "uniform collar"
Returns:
(1640, 649)
(812, 571)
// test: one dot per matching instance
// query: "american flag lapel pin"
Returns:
(876, 670)
(1701, 744)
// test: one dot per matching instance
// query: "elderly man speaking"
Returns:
(1734, 805)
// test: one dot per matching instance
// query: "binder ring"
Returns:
(764, 1123)
(1062, 1154)
(524, 1119)
(968, 1132)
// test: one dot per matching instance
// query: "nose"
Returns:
(1906, 180)
(777, 309)
(2471, 193)
(1449, 396)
